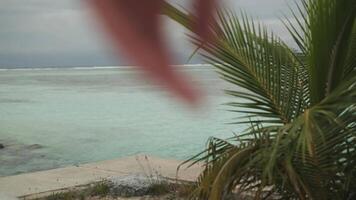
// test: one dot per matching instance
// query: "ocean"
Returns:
(55, 117)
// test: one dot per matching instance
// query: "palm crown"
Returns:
(301, 105)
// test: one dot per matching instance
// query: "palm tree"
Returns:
(300, 104)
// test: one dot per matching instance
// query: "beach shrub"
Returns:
(100, 189)
(300, 104)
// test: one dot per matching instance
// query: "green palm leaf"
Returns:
(301, 105)
(259, 62)
(262, 65)
(326, 31)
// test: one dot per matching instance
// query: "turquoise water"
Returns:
(57, 117)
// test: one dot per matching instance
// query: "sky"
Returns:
(52, 33)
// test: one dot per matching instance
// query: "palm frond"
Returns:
(301, 106)
(316, 152)
(322, 32)
(248, 56)
(350, 63)
(251, 58)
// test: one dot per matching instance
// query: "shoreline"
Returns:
(45, 182)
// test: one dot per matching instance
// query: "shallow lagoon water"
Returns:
(58, 117)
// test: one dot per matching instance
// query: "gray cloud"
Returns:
(62, 33)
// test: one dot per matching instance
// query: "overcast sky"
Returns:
(44, 33)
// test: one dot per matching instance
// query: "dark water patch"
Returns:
(34, 146)
(16, 158)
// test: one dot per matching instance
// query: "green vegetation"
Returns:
(64, 196)
(100, 189)
(160, 188)
(300, 105)
(163, 189)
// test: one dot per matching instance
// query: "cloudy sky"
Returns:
(44, 33)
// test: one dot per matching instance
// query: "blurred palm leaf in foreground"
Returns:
(300, 104)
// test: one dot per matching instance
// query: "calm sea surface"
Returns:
(58, 117)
